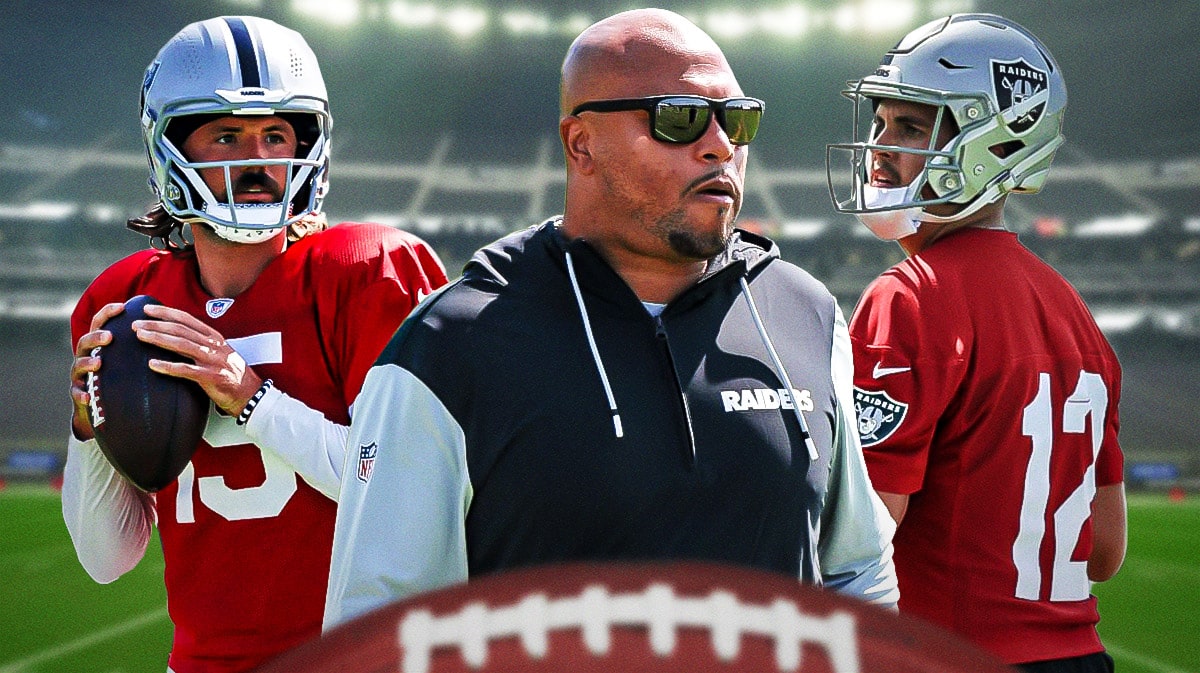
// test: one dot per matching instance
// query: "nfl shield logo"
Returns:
(879, 416)
(217, 307)
(366, 461)
(1014, 83)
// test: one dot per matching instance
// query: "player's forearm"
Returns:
(109, 519)
(1109, 533)
(312, 445)
(896, 504)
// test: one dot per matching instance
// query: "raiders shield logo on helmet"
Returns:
(879, 416)
(1016, 83)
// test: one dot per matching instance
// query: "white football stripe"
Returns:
(658, 608)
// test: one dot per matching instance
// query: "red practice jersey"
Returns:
(245, 539)
(986, 392)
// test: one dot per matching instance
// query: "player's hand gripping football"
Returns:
(86, 363)
(215, 366)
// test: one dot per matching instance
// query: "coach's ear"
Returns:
(576, 139)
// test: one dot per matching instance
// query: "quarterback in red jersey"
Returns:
(986, 395)
(277, 314)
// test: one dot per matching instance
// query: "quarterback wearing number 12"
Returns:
(986, 395)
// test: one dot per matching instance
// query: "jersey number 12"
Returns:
(1083, 412)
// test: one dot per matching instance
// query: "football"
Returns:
(147, 424)
(643, 617)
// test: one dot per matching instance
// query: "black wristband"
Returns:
(253, 402)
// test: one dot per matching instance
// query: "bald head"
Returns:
(638, 53)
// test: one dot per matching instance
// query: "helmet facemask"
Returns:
(894, 212)
(188, 197)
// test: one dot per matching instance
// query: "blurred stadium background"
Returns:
(445, 124)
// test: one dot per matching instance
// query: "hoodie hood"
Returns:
(747, 248)
(496, 263)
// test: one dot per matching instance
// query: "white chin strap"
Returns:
(894, 224)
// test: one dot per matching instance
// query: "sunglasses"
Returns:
(683, 119)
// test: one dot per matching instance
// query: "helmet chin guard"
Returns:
(991, 78)
(241, 232)
(235, 66)
(884, 219)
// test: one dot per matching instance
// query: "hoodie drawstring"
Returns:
(587, 328)
(779, 370)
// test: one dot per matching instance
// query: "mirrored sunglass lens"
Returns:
(741, 121)
(681, 120)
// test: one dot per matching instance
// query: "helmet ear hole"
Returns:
(1003, 150)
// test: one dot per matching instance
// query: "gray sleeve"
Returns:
(405, 492)
(855, 549)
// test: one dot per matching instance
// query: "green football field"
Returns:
(54, 618)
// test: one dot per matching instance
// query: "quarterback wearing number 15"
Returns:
(273, 312)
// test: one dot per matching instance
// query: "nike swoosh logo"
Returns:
(880, 372)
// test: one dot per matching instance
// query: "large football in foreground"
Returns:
(645, 617)
(147, 424)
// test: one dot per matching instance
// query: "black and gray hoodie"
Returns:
(535, 412)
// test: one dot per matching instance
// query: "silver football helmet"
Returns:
(1003, 90)
(235, 65)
